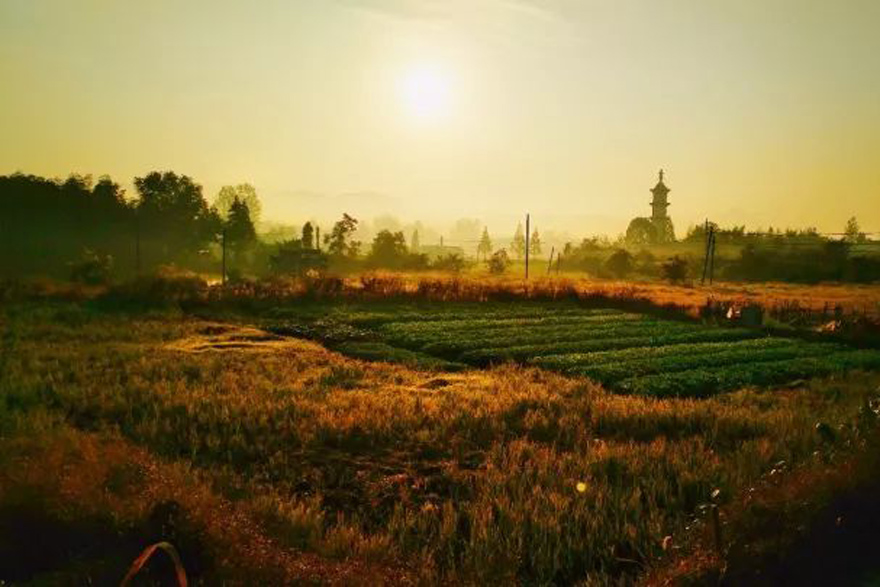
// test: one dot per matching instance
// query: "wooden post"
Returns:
(550, 263)
(706, 255)
(224, 257)
(712, 256)
(528, 235)
(318, 238)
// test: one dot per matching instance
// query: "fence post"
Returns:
(528, 235)
(550, 263)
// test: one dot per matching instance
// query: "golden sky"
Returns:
(762, 112)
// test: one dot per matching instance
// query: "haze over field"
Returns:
(762, 113)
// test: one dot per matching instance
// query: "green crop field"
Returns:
(625, 351)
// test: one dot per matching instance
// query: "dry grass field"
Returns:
(271, 459)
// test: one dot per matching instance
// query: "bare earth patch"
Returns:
(227, 337)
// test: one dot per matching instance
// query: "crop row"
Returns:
(520, 337)
(571, 360)
(466, 313)
(525, 352)
(610, 373)
(465, 325)
(708, 380)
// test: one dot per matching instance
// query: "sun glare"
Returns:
(426, 94)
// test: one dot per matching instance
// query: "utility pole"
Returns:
(706, 255)
(528, 235)
(224, 256)
(712, 256)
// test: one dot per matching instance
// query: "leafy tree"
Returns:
(172, 211)
(518, 244)
(641, 232)
(498, 262)
(308, 236)
(620, 263)
(414, 242)
(246, 193)
(485, 246)
(388, 249)
(535, 244)
(853, 232)
(339, 243)
(240, 233)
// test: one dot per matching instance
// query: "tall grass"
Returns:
(456, 477)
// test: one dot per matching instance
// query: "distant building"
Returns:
(658, 228)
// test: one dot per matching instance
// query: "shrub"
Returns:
(620, 263)
(92, 268)
(498, 262)
(675, 269)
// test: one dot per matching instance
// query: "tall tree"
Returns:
(172, 211)
(852, 233)
(308, 236)
(339, 243)
(246, 193)
(518, 244)
(535, 243)
(485, 246)
(240, 233)
(388, 249)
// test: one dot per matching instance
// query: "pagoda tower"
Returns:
(663, 229)
(659, 203)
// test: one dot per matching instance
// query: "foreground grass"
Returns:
(340, 469)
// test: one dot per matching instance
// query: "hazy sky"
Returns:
(762, 112)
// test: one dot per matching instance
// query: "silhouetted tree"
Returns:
(388, 249)
(173, 213)
(45, 225)
(339, 243)
(308, 236)
(853, 232)
(518, 245)
(240, 233)
(246, 193)
(485, 246)
(535, 243)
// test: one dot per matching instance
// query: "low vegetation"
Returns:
(268, 458)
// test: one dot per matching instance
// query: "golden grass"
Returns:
(467, 477)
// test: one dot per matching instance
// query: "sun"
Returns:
(426, 95)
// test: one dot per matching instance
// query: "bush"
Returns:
(675, 269)
(92, 269)
(620, 263)
(451, 262)
(498, 262)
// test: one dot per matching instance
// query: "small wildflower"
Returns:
(581, 487)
